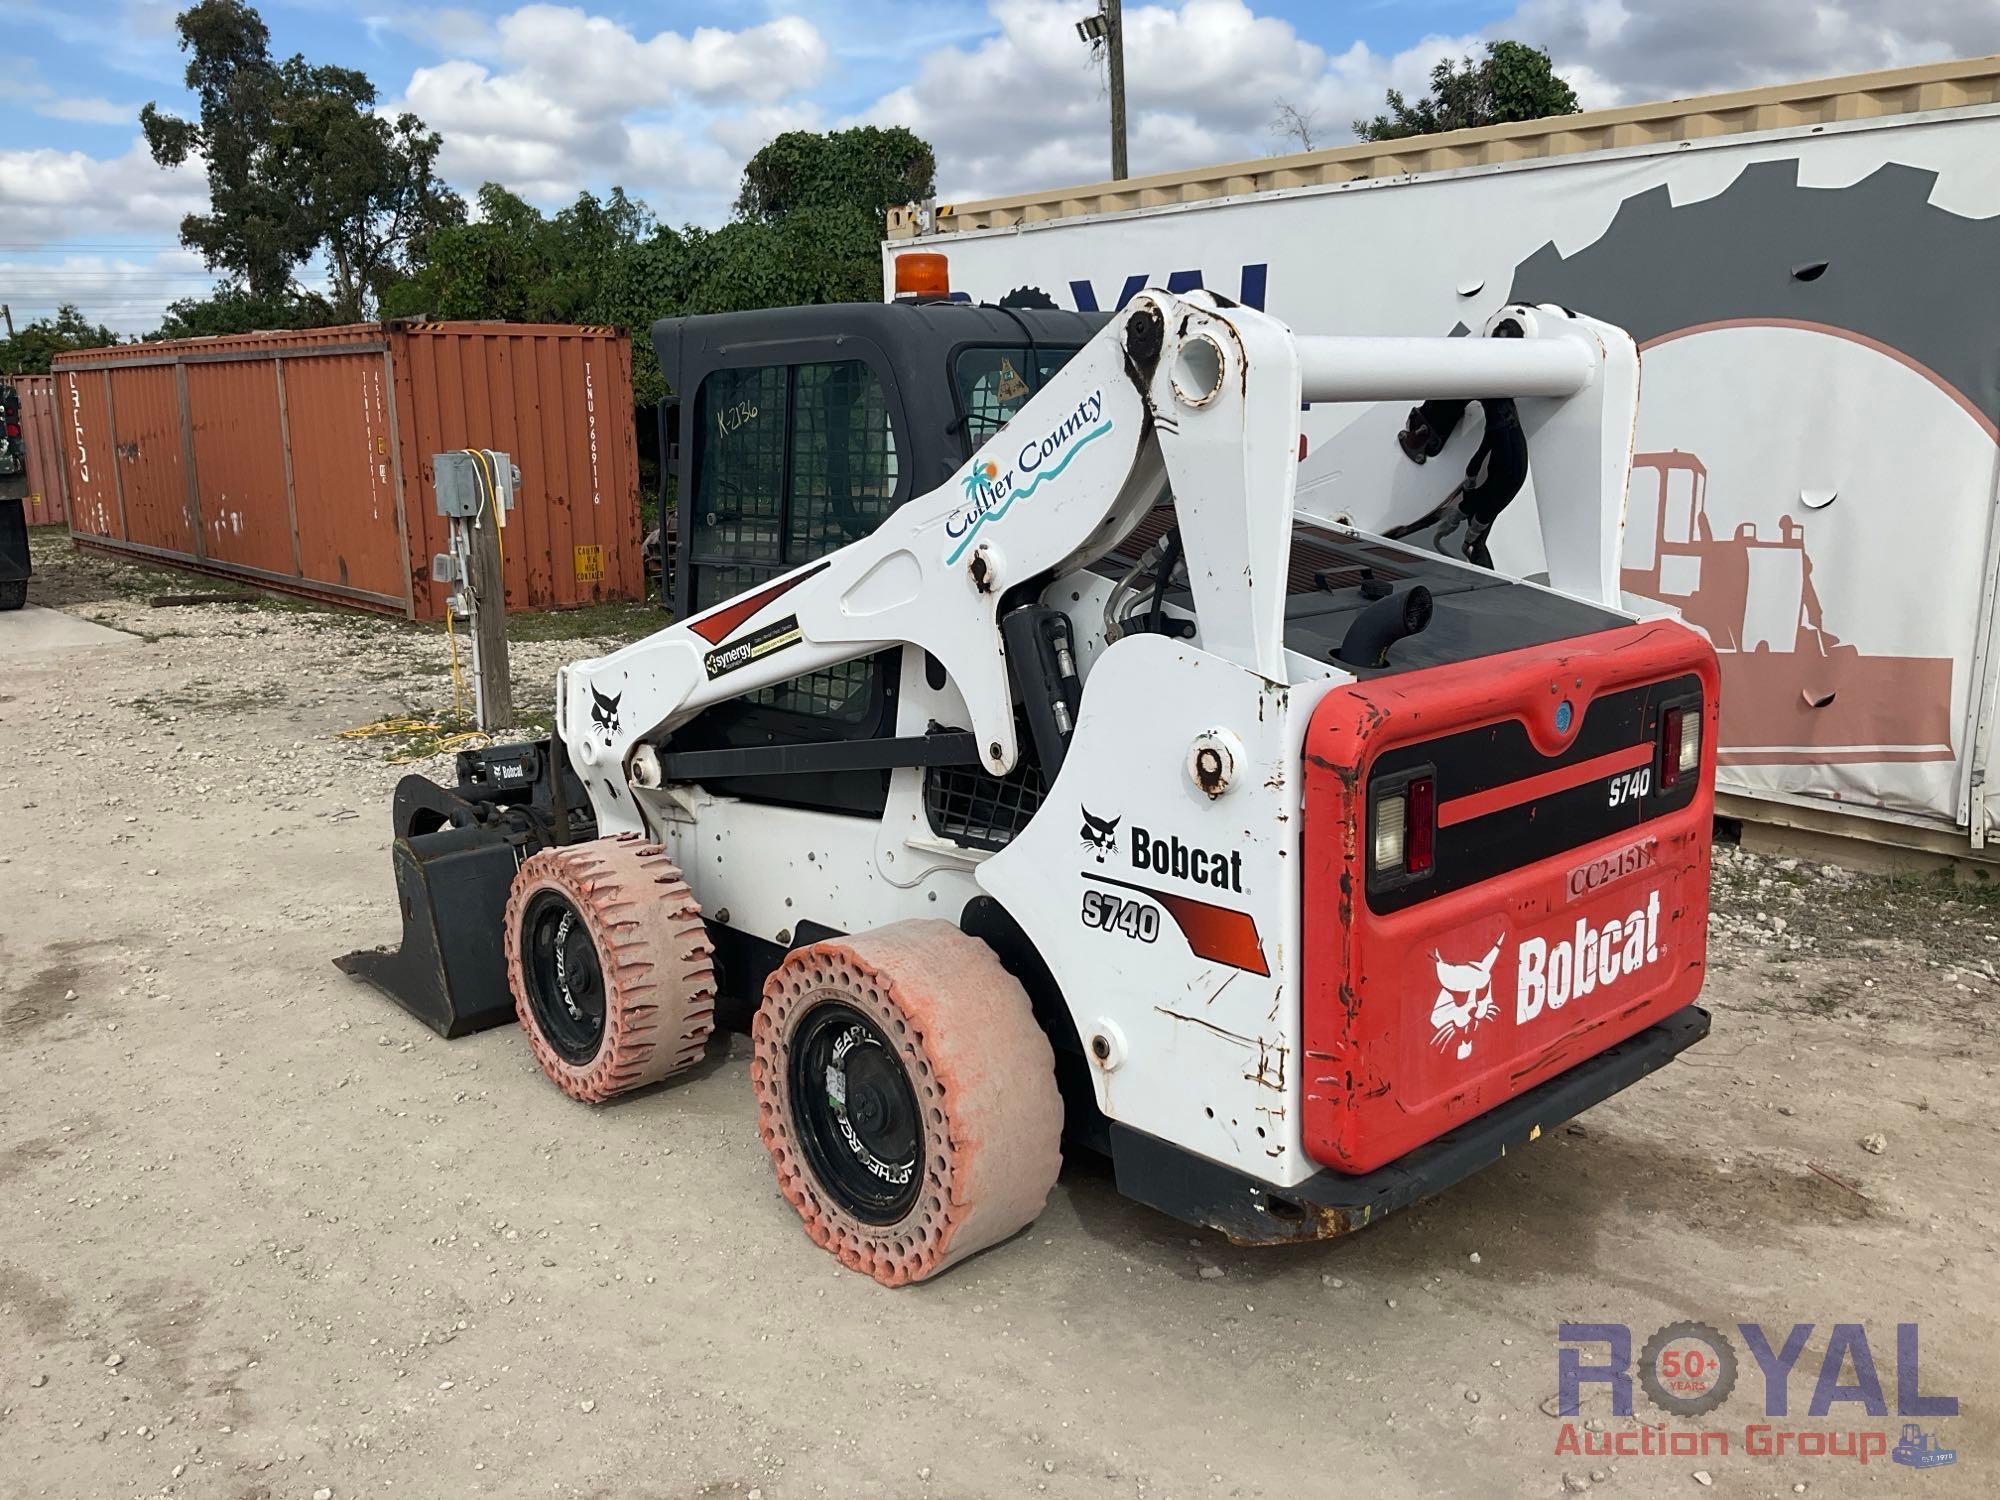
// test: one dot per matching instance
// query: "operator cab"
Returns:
(795, 431)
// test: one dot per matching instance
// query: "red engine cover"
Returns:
(1567, 905)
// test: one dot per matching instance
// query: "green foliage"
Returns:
(1512, 82)
(29, 351)
(512, 262)
(607, 261)
(301, 168)
(299, 165)
(867, 167)
(234, 309)
(597, 261)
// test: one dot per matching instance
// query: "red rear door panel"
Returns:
(1568, 905)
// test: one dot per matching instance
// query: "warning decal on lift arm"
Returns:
(753, 647)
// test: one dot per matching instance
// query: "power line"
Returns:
(66, 247)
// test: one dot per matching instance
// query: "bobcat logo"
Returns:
(1100, 835)
(604, 712)
(1465, 998)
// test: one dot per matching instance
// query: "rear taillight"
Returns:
(1405, 822)
(1680, 745)
(1420, 826)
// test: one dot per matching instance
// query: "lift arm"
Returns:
(1189, 390)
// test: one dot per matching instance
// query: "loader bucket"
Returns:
(451, 970)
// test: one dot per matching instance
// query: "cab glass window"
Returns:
(791, 463)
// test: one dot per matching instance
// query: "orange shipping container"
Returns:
(43, 442)
(302, 461)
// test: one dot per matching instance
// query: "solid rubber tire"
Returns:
(983, 1072)
(655, 954)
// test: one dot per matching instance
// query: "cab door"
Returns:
(783, 460)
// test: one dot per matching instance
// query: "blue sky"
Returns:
(668, 99)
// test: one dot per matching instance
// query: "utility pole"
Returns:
(1114, 45)
(1106, 30)
(8, 311)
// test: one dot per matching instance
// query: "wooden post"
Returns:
(492, 687)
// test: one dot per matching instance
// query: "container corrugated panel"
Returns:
(302, 461)
(1859, 96)
(83, 407)
(149, 459)
(42, 438)
(344, 471)
(558, 401)
(239, 462)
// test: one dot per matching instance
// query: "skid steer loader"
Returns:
(1033, 775)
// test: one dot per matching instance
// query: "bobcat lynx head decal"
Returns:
(1100, 835)
(1464, 999)
(604, 713)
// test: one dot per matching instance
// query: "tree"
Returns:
(29, 351)
(867, 166)
(514, 263)
(1512, 82)
(809, 230)
(232, 308)
(249, 228)
(300, 166)
(1291, 123)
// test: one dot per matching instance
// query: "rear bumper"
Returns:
(1249, 1212)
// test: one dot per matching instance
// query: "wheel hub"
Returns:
(565, 980)
(857, 1114)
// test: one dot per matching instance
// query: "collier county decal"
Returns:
(991, 491)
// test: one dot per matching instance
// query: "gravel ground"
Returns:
(262, 1236)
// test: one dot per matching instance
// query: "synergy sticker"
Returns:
(759, 644)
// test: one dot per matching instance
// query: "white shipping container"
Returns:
(1818, 307)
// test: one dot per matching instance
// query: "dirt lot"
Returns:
(263, 1236)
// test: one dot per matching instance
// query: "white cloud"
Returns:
(88, 111)
(50, 197)
(595, 62)
(1643, 50)
(567, 99)
(1026, 108)
(47, 194)
(449, 31)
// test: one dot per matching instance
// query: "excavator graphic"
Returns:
(1791, 690)
(1921, 1450)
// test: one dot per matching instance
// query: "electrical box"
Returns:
(469, 478)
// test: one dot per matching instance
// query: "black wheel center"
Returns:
(857, 1113)
(564, 977)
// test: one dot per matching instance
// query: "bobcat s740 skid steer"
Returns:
(1037, 775)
